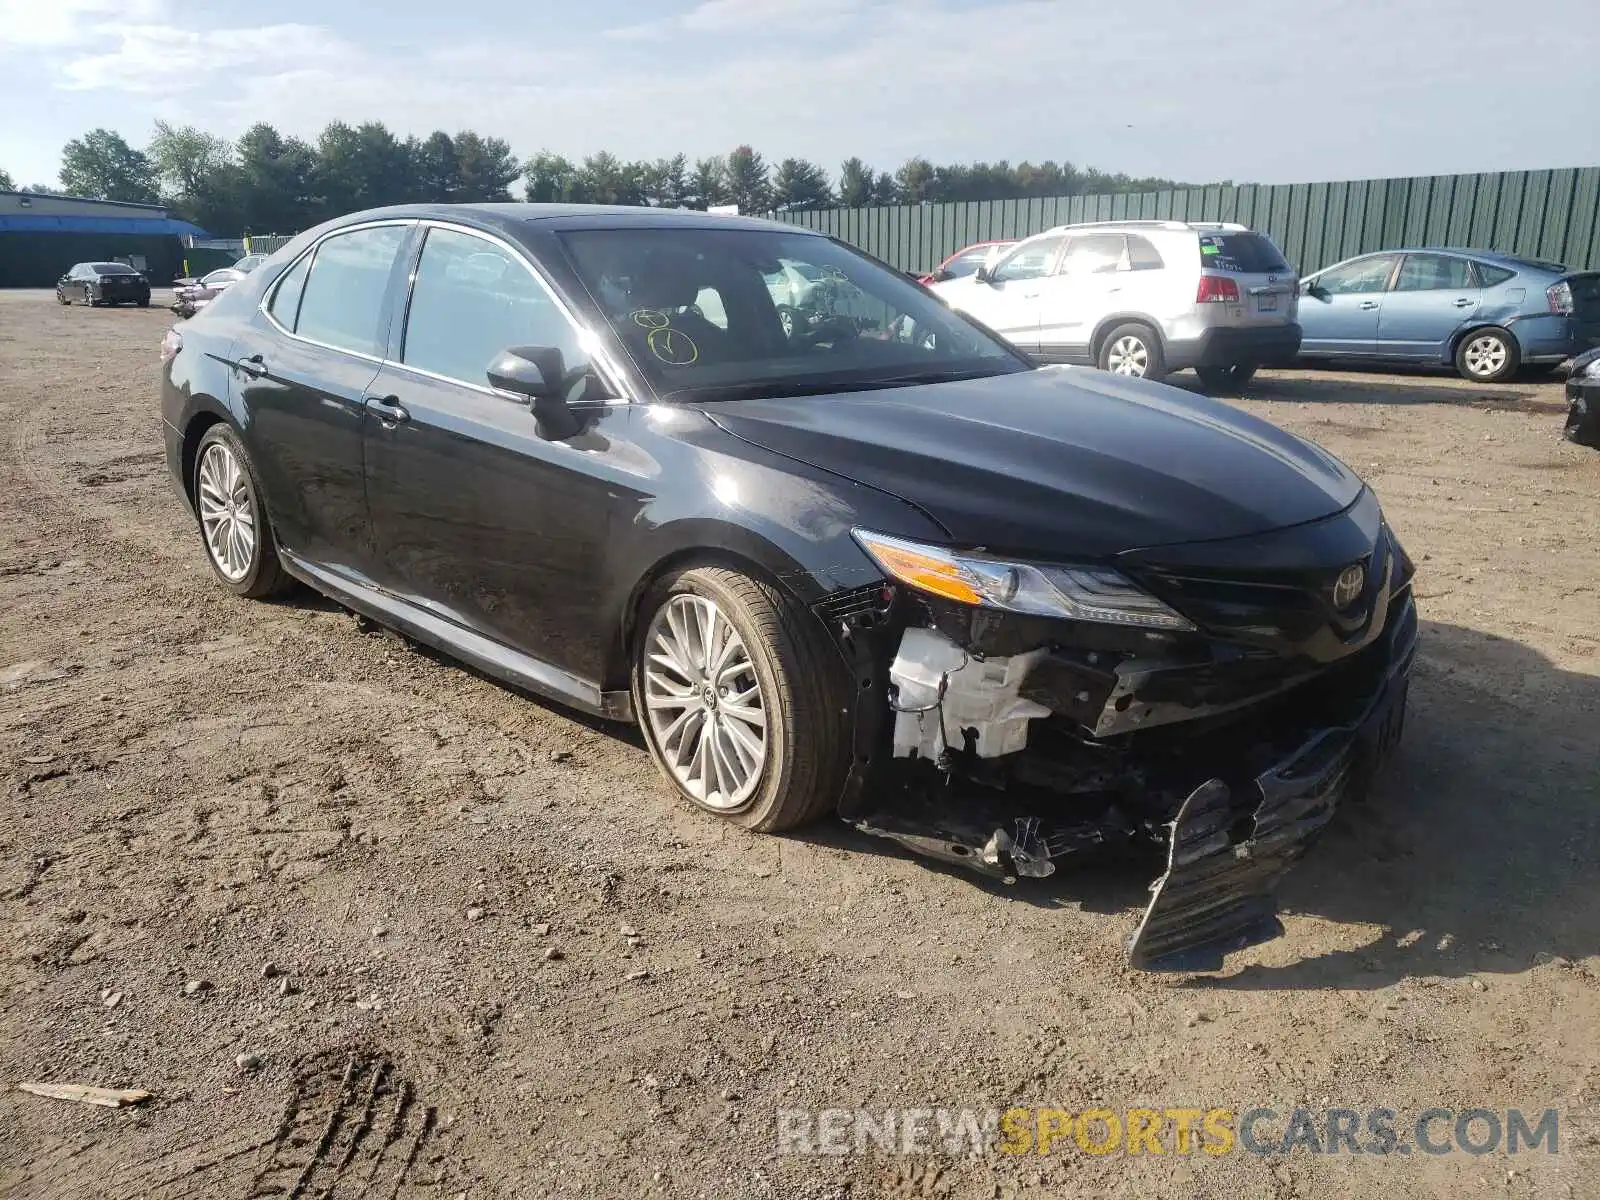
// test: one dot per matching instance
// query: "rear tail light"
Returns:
(1217, 289)
(1560, 297)
(170, 345)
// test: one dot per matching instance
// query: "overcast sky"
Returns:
(1263, 90)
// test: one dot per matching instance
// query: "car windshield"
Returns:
(249, 263)
(111, 269)
(709, 314)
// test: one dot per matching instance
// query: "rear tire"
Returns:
(233, 519)
(144, 302)
(1133, 350)
(1488, 356)
(770, 714)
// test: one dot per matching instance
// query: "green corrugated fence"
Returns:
(268, 243)
(1552, 215)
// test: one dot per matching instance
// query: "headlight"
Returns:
(1076, 593)
(1587, 365)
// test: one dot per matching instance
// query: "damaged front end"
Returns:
(1260, 687)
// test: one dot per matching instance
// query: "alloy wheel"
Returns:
(227, 512)
(1128, 356)
(1485, 355)
(704, 702)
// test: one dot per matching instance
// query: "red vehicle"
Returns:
(965, 261)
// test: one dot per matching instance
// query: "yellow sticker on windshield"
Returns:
(650, 318)
(672, 346)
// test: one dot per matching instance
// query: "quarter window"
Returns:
(472, 301)
(1492, 276)
(1433, 272)
(1031, 260)
(342, 302)
(1365, 275)
(285, 306)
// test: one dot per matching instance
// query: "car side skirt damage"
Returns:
(1007, 745)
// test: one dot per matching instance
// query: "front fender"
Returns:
(751, 508)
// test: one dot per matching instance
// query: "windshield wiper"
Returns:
(757, 391)
(936, 377)
(778, 389)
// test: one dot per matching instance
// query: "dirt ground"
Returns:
(466, 944)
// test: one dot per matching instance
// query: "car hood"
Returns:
(1059, 461)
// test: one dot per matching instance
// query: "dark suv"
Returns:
(879, 565)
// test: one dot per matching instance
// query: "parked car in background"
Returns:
(97, 283)
(808, 298)
(228, 274)
(779, 555)
(1583, 400)
(1141, 298)
(1486, 313)
(191, 295)
(965, 261)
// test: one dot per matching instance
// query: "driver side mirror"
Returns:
(538, 374)
(1313, 289)
(983, 274)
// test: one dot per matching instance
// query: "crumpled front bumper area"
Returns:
(1219, 894)
(1003, 760)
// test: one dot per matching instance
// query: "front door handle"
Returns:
(1464, 302)
(254, 366)
(388, 409)
(1368, 305)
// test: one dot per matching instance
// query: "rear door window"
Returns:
(342, 305)
(1142, 256)
(1242, 253)
(1093, 254)
(1432, 273)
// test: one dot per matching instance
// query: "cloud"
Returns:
(712, 18)
(883, 79)
(164, 58)
(43, 24)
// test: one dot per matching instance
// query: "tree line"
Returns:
(266, 182)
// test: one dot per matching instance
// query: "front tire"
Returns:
(1229, 379)
(743, 702)
(1488, 356)
(1133, 350)
(233, 522)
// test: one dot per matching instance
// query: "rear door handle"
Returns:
(1368, 305)
(388, 409)
(254, 366)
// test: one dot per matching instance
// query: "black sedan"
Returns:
(1583, 400)
(96, 283)
(873, 563)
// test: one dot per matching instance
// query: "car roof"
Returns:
(1494, 257)
(579, 216)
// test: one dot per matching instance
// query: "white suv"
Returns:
(1141, 298)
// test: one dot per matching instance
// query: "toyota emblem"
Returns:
(1351, 583)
